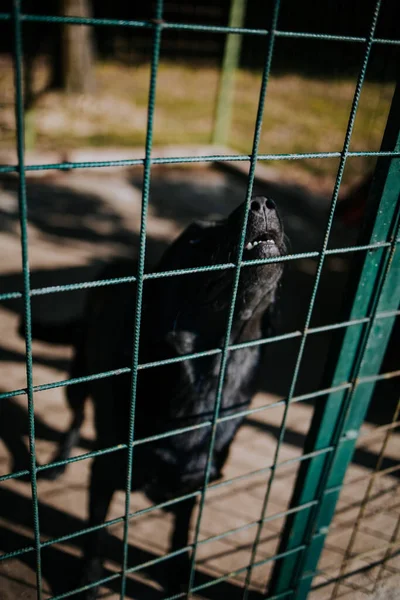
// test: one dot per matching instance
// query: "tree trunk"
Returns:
(77, 49)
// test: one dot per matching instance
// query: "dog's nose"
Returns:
(260, 203)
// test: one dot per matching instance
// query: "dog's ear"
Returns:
(180, 253)
(182, 341)
(180, 344)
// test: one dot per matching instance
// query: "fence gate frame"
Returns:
(355, 360)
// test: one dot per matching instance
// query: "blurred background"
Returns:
(88, 86)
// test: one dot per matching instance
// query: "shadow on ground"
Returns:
(67, 218)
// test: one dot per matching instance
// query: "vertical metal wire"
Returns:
(23, 219)
(362, 510)
(225, 350)
(391, 544)
(364, 504)
(140, 272)
(335, 195)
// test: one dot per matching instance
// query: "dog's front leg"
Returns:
(100, 495)
(179, 575)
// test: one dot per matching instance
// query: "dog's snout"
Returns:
(255, 206)
(270, 203)
(260, 203)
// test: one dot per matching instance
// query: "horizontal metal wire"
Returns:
(374, 378)
(67, 461)
(393, 545)
(193, 159)
(84, 588)
(16, 553)
(232, 574)
(180, 499)
(204, 424)
(281, 596)
(70, 287)
(103, 375)
(194, 355)
(173, 501)
(213, 351)
(69, 536)
(363, 478)
(373, 246)
(258, 563)
(367, 567)
(14, 475)
(273, 517)
(168, 556)
(333, 38)
(347, 584)
(62, 383)
(378, 430)
(150, 24)
(136, 514)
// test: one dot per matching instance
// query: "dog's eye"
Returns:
(195, 241)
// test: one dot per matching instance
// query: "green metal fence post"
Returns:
(230, 63)
(337, 420)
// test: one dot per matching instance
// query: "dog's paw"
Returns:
(92, 571)
(178, 579)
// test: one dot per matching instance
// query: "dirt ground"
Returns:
(78, 220)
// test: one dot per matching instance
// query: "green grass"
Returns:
(301, 114)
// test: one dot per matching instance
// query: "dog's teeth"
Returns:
(249, 246)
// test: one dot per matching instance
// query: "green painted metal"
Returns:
(23, 218)
(140, 273)
(362, 334)
(230, 63)
(239, 256)
(337, 420)
(174, 160)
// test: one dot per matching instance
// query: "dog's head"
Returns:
(208, 294)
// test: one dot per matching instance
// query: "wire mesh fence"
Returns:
(341, 403)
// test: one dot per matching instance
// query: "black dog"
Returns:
(180, 315)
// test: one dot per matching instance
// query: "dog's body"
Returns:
(180, 315)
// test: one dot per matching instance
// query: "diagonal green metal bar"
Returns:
(140, 274)
(342, 413)
(225, 349)
(321, 261)
(352, 415)
(23, 218)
